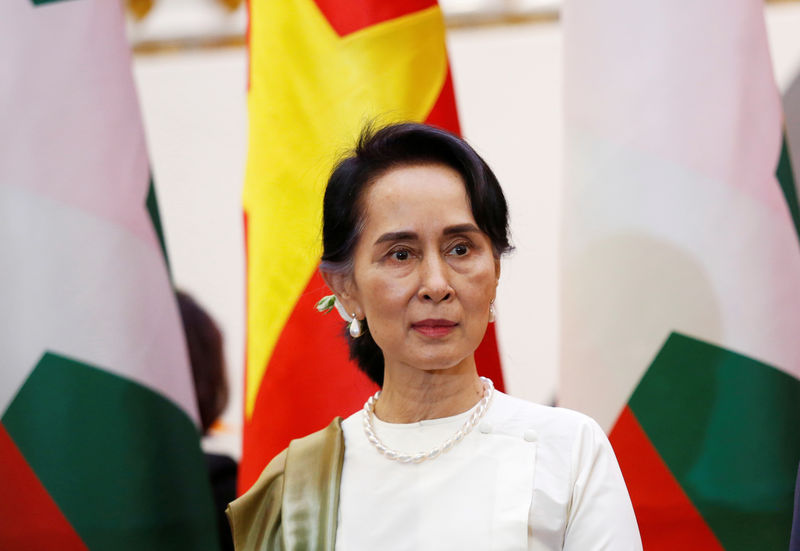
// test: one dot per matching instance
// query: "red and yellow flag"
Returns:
(319, 70)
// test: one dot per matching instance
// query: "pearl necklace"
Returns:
(394, 455)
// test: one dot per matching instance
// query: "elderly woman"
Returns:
(414, 227)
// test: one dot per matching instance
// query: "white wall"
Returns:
(508, 88)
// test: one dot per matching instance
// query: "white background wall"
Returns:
(508, 88)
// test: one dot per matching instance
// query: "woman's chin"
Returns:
(441, 363)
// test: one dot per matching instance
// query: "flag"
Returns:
(319, 71)
(794, 540)
(99, 444)
(681, 266)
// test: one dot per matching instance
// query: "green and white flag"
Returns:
(99, 445)
(681, 263)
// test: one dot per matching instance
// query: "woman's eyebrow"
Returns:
(411, 236)
(461, 228)
(396, 236)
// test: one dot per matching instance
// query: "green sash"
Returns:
(295, 502)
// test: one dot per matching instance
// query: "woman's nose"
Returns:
(434, 284)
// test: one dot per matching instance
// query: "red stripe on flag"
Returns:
(359, 14)
(29, 518)
(668, 520)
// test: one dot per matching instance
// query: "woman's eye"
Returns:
(460, 250)
(402, 254)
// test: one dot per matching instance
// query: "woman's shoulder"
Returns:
(539, 422)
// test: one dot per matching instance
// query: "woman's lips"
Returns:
(434, 327)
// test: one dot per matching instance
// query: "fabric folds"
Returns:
(300, 486)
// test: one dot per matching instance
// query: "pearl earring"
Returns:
(355, 327)
(491, 311)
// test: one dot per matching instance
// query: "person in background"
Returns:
(205, 344)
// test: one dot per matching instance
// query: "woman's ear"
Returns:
(496, 271)
(342, 286)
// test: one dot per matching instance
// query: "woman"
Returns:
(414, 225)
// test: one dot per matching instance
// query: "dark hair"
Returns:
(204, 341)
(377, 152)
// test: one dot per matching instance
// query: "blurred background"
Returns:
(190, 65)
(649, 152)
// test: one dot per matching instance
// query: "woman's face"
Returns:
(424, 273)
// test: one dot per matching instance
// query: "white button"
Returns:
(485, 427)
(530, 435)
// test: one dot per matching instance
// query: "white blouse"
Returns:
(529, 477)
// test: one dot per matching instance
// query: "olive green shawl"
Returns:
(294, 504)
